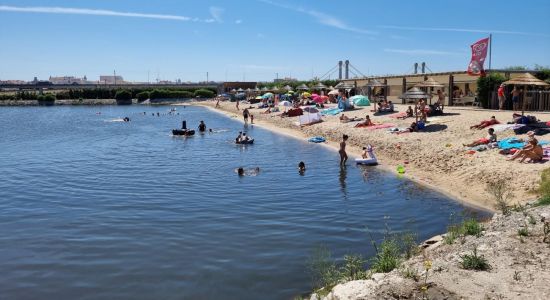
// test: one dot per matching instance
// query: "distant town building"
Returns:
(110, 79)
(68, 80)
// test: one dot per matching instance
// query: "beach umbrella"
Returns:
(258, 98)
(333, 92)
(374, 83)
(233, 91)
(324, 98)
(267, 95)
(316, 98)
(526, 80)
(265, 89)
(285, 103)
(256, 89)
(414, 94)
(314, 95)
(319, 86)
(287, 88)
(302, 87)
(430, 82)
(306, 94)
(240, 90)
(248, 90)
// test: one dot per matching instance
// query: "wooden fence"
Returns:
(535, 101)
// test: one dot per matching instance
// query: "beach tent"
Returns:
(267, 95)
(526, 80)
(360, 100)
(311, 116)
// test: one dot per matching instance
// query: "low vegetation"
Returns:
(469, 226)
(474, 262)
(502, 193)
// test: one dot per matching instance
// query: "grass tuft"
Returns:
(474, 262)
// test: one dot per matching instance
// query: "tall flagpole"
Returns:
(490, 48)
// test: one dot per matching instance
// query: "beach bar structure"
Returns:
(454, 83)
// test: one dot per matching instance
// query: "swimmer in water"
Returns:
(240, 171)
(202, 127)
(301, 167)
(342, 151)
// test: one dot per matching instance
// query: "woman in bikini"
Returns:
(342, 151)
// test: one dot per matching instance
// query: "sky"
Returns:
(259, 40)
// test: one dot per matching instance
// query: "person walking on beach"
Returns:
(237, 104)
(515, 98)
(342, 151)
(501, 98)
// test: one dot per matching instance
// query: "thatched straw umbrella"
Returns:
(287, 88)
(414, 94)
(302, 87)
(430, 82)
(319, 86)
(526, 80)
(374, 83)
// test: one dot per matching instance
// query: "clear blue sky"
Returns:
(255, 39)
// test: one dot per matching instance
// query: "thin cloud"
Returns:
(238, 21)
(95, 12)
(216, 13)
(487, 31)
(421, 52)
(321, 18)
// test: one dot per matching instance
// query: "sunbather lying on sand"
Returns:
(491, 138)
(346, 119)
(365, 123)
(267, 111)
(532, 150)
(485, 123)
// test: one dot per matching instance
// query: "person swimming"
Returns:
(126, 119)
(240, 171)
(301, 167)
(248, 172)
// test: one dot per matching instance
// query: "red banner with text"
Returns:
(479, 53)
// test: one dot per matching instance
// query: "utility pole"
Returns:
(114, 75)
(277, 76)
(207, 77)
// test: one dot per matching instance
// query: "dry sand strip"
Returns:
(435, 158)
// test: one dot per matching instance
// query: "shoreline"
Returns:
(447, 168)
(353, 152)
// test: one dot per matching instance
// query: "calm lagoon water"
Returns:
(96, 209)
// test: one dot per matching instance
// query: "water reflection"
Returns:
(342, 178)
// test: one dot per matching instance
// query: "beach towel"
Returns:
(380, 126)
(515, 143)
(504, 127)
(331, 111)
(398, 115)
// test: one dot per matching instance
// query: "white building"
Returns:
(67, 80)
(111, 79)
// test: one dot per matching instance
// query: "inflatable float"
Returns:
(317, 139)
(370, 161)
(248, 142)
(183, 132)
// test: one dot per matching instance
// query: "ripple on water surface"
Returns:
(112, 210)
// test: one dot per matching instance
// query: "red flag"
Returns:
(479, 53)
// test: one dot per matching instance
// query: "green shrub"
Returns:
(543, 201)
(388, 256)
(502, 192)
(488, 84)
(353, 268)
(544, 184)
(46, 97)
(142, 96)
(472, 227)
(323, 269)
(474, 262)
(523, 231)
(123, 95)
(203, 93)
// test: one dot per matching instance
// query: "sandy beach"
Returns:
(434, 157)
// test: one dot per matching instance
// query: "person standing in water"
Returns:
(342, 151)
(246, 113)
(202, 126)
